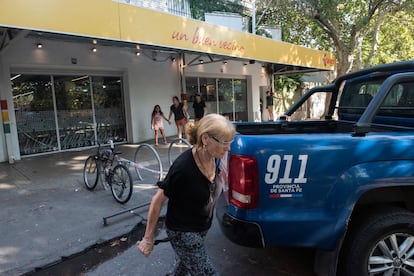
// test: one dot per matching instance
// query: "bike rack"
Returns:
(157, 157)
(105, 219)
(136, 164)
(175, 141)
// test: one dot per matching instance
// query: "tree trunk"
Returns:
(375, 37)
(345, 61)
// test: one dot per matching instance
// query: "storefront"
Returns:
(68, 83)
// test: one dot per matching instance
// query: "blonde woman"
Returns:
(191, 191)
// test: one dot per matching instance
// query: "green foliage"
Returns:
(339, 25)
(395, 40)
(287, 90)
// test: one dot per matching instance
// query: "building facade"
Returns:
(66, 84)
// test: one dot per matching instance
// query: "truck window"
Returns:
(357, 96)
(399, 101)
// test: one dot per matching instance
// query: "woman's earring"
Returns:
(204, 147)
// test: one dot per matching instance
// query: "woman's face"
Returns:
(157, 108)
(175, 101)
(217, 147)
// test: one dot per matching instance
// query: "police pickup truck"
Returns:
(342, 186)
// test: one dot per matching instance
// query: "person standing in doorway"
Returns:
(191, 187)
(199, 108)
(269, 104)
(180, 118)
(157, 123)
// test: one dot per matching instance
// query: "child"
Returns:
(157, 124)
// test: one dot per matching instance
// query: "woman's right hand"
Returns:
(145, 247)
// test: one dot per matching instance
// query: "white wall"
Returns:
(148, 86)
(4, 80)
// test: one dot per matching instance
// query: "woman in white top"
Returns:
(157, 123)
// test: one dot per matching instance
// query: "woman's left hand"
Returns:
(145, 247)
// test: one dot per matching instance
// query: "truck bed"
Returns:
(314, 126)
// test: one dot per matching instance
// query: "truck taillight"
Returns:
(243, 181)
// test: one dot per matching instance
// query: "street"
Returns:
(229, 259)
(59, 222)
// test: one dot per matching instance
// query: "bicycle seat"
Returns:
(105, 154)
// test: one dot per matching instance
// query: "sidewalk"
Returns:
(47, 213)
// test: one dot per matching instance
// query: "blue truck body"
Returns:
(313, 175)
(340, 169)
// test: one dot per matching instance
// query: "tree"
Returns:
(390, 39)
(337, 26)
(353, 30)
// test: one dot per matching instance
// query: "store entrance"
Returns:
(227, 97)
(60, 112)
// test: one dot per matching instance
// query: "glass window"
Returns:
(240, 100)
(191, 86)
(34, 110)
(39, 126)
(74, 111)
(399, 102)
(109, 111)
(209, 93)
(224, 96)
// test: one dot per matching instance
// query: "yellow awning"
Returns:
(122, 22)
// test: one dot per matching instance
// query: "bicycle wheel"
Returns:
(148, 164)
(177, 147)
(121, 183)
(91, 172)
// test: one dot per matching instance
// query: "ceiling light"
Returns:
(138, 53)
(79, 78)
(225, 62)
(39, 45)
(15, 77)
(94, 41)
(94, 49)
(201, 61)
(138, 47)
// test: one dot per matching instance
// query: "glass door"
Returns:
(74, 111)
(240, 99)
(209, 94)
(226, 98)
(108, 108)
(35, 115)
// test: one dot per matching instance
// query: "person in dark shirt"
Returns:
(180, 115)
(269, 104)
(199, 108)
(191, 188)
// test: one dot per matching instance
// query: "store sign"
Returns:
(200, 38)
(117, 21)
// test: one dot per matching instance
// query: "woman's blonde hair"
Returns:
(214, 125)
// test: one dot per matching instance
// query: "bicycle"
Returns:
(100, 166)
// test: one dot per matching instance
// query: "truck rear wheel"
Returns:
(380, 243)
